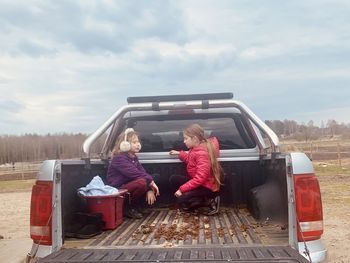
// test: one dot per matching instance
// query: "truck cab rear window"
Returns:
(164, 135)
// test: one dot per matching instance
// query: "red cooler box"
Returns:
(110, 206)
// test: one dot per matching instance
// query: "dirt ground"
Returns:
(15, 242)
(15, 205)
(336, 211)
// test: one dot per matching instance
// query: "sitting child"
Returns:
(203, 168)
(125, 171)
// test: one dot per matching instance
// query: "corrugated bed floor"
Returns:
(171, 228)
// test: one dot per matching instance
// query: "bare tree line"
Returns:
(33, 147)
(290, 129)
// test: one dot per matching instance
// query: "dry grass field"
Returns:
(331, 159)
(333, 174)
(335, 189)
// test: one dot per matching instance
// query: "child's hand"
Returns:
(178, 193)
(174, 152)
(150, 197)
(154, 188)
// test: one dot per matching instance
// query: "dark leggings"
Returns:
(138, 188)
(186, 198)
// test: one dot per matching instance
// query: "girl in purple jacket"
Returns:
(126, 172)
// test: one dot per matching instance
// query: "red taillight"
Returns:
(309, 207)
(40, 213)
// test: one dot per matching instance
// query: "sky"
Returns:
(67, 66)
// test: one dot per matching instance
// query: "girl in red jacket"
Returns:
(203, 168)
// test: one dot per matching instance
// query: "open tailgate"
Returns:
(204, 254)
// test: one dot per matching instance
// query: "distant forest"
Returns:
(33, 147)
(292, 130)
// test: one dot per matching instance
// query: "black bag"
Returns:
(85, 225)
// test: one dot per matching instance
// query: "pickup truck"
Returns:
(270, 209)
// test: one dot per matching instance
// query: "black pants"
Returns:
(189, 197)
(137, 190)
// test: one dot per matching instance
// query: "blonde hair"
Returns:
(116, 149)
(195, 130)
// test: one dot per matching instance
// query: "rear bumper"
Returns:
(317, 250)
(38, 251)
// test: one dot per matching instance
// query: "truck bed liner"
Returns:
(164, 228)
(170, 236)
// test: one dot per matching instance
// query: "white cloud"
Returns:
(252, 53)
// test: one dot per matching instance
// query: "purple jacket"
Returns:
(123, 168)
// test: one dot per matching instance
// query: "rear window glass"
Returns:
(164, 134)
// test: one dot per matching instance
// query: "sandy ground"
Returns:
(14, 221)
(15, 242)
(336, 212)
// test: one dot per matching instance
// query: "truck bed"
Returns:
(164, 227)
(170, 236)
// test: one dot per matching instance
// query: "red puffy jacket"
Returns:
(198, 166)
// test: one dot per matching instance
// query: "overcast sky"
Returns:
(66, 66)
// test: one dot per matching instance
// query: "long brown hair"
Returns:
(116, 150)
(195, 130)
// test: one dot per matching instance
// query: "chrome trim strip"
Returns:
(231, 159)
